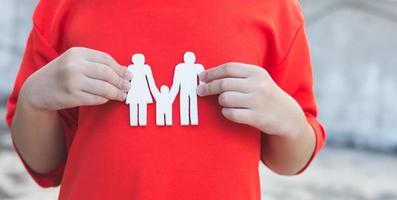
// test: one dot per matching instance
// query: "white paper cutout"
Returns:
(164, 101)
(185, 80)
(139, 94)
(142, 84)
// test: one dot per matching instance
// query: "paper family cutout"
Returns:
(143, 87)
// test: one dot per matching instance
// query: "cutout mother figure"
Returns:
(139, 94)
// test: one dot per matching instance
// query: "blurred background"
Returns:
(354, 53)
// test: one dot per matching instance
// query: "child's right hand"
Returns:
(78, 77)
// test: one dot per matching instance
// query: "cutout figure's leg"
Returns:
(184, 110)
(168, 116)
(193, 109)
(159, 117)
(142, 114)
(133, 114)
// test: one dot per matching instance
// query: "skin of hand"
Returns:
(78, 77)
(248, 95)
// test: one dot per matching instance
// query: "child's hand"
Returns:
(78, 77)
(249, 96)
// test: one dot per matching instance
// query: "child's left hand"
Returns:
(249, 96)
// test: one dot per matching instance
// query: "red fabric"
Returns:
(38, 53)
(294, 76)
(217, 159)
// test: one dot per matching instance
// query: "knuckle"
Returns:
(119, 82)
(263, 71)
(116, 81)
(123, 71)
(68, 64)
(106, 57)
(223, 84)
(103, 70)
(69, 87)
(69, 67)
(227, 68)
(120, 71)
(73, 51)
(66, 75)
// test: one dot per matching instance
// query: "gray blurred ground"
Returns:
(354, 47)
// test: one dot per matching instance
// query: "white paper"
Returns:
(143, 85)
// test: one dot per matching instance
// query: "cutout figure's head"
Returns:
(164, 89)
(189, 58)
(138, 59)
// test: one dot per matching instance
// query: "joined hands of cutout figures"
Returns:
(143, 85)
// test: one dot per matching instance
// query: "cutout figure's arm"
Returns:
(152, 84)
(172, 95)
(175, 83)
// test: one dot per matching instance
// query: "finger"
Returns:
(105, 73)
(87, 99)
(106, 59)
(103, 89)
(241, 116)
(228, 70)
(233, 99)
(222, 85)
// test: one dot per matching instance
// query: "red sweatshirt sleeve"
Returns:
(294, 76)
(38, 53)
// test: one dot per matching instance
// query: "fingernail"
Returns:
(127, 74)
(203, 76)
(126, 85)
(200, 90)
(123, 96)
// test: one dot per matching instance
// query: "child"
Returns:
(70, 126)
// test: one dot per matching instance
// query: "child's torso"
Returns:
(217, 159)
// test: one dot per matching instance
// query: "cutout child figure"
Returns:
(164, 101)
(139, 94)
(186, 81)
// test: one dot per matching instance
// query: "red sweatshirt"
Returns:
(217, 159)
